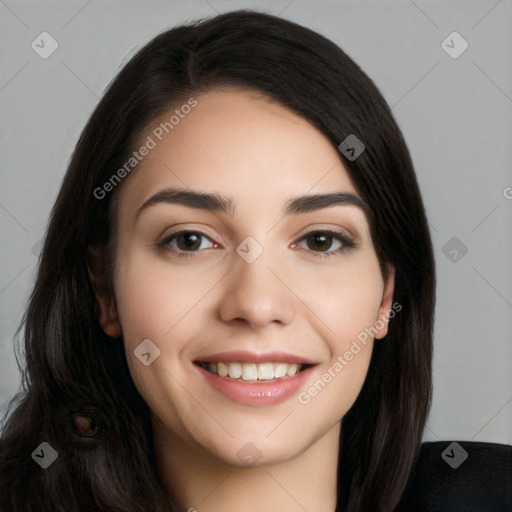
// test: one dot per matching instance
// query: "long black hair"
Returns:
(77, 394)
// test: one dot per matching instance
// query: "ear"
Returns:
(106, 310)
(385, 309)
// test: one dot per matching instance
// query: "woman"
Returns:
(234, 305)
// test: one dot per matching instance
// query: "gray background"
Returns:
(456, 115)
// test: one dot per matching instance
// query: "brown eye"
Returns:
(326, 243)
(188, 241)
(319, 241)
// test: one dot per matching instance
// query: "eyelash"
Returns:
(347, 243)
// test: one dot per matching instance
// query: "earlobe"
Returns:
(385, 308)
(106, 310)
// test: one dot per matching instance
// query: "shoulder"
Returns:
(453, 476)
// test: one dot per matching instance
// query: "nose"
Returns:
(257, 295)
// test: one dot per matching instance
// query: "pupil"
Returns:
(321, 240)
(190, 239)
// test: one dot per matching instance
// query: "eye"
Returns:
(181, 242)
(326, 243)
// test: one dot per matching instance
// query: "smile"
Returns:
(251, 372)
(255, 380)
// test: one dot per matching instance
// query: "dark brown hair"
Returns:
(73, 367)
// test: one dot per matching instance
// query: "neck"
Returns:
(197, 481)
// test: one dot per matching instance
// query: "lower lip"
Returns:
(256, 394)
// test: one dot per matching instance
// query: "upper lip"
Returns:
(243, 356)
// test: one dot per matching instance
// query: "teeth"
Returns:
(265, 371)
(280, 370)
(252, 371)
(222, 369)
(292, 370)
(249, 371)
(235, 370)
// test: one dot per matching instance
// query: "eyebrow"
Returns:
(219, 203)
(193, 199)
(304, 204)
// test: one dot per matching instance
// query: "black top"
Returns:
(460, 476)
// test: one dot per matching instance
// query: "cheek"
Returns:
(153, 303)
(347, 301)
(332, 393)
(163, 303)
(154, 297)
(345, 297)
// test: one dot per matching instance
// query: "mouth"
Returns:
(255, 379)
(253, 372)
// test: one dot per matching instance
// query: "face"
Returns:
(251, 300)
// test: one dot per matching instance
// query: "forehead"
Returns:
(242, 144)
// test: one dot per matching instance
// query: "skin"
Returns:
(240, 144)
